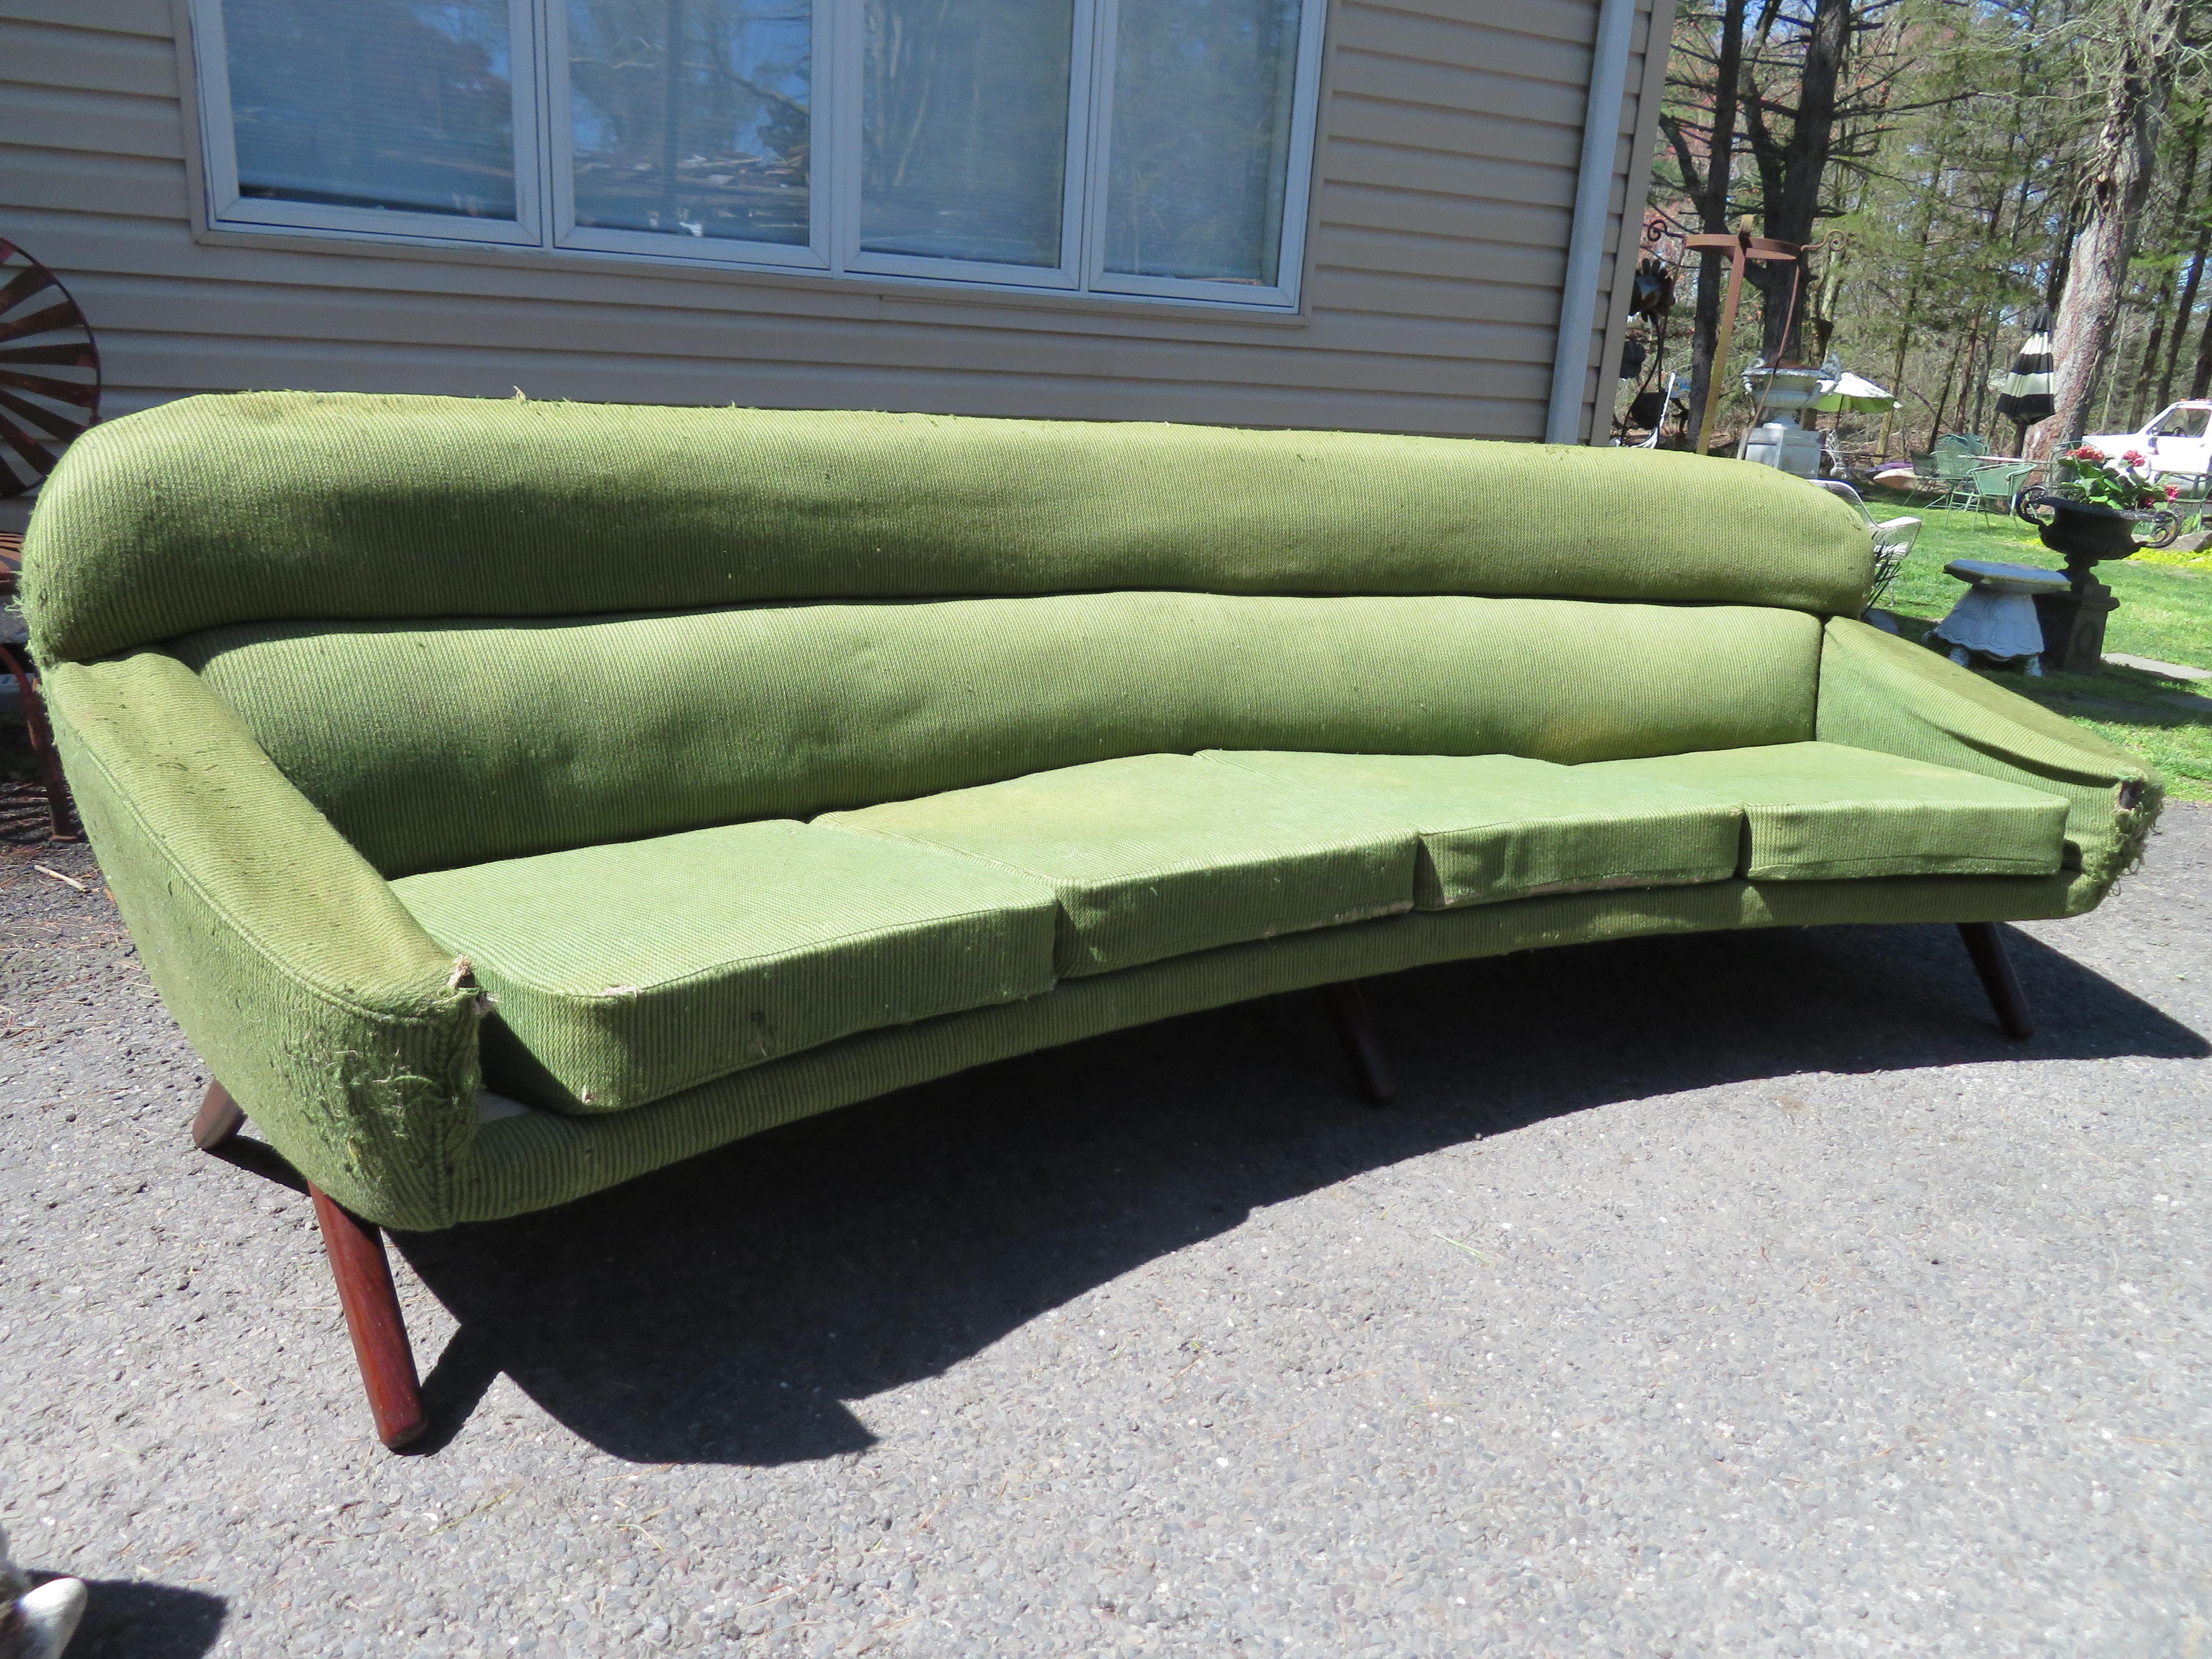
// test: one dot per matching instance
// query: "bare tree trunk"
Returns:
(2161, 310)
(2107, 386)
(1950, 374)
(1978, 376)
(1827, 297)
(1712, 212)
(1793, 208)
(1909, 315)
(2062, 258)
(1966, 379)
(2137, 83)
(1897, 373)
(2184, 309)
(2164, 314)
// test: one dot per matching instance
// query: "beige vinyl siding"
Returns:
(1450, 137)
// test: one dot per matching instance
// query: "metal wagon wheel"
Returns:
(49, 371)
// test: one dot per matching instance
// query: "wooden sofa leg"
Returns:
(1355, 1029)
(1985, 945)
(372, 1320)
(218, 1124)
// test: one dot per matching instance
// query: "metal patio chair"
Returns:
(1893, 541)
(1892, 546)
(1954, 470)
(1997, 488)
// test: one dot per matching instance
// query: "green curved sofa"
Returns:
(509, 798)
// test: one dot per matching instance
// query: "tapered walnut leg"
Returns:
(372, 1319)
(1355, 1029)
(219, 1119)
(1985, 945)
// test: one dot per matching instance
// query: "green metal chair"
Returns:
(1956, 469)
(1997, 488)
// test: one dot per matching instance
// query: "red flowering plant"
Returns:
(2087, 474)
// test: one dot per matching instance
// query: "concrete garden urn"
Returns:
(1783, 389)
(2085, 535)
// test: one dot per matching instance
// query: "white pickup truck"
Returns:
(2178, 441)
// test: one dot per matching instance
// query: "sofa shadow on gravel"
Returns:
(724, 1310)
(129, 1619)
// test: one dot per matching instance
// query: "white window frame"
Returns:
(544, 198)
(812, 255)
(227, 207)
(1297, 181)
(1065, 275)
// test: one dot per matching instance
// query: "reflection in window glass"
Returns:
(690, 116)
(395, 104)
(1201, 143)
(2183, 423)
(964, 141)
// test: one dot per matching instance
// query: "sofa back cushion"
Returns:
(437, 744)
(343, 508)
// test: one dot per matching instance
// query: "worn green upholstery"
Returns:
(1159, 855)
(1497, 827)
(1877, 692)
(1820, 811)
(526, 1163)
(340, 508)
(624, 972)
(299, 976)
(687, 771)
(431, 745)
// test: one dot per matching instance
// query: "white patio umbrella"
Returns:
(1855, 393)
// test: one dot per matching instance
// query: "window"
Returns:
(2181, 420)
(1155, 148)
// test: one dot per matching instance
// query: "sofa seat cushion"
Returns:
(1159, 855)
(625, 973)
(1821, 811)
(1497, 827)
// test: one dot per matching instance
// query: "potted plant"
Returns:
(2092, 510)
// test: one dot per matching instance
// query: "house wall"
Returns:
(1449, 137)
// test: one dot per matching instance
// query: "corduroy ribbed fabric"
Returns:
(337, 1024)
(338, 506)
(1879, 692)
(930, 605)
(452, 744)
(1496, 827)
(542, 1158)
(627, 972)
(1159, 855)
(1825, 811)
(321, 1002)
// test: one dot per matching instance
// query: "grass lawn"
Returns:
(2165, 612)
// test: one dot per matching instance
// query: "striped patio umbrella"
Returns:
(2024, 396)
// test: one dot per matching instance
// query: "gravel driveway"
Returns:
(1737, 1295)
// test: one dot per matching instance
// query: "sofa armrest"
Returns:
(1878, 691)
(345, 1033)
